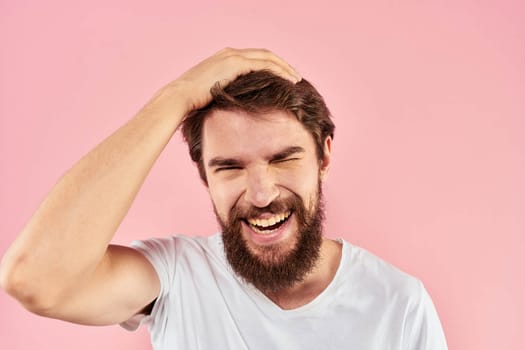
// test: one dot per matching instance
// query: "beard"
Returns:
(282, 265)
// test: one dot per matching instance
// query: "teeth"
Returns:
(270, 221)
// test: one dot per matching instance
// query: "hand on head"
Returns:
(223, 67)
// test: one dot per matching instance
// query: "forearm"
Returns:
(69, 234)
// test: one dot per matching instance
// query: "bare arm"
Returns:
(61, 265)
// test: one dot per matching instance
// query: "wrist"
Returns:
(168, 103)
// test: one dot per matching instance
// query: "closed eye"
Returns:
(285, 160)
(287, 155)
(224, 164)
(226, 168)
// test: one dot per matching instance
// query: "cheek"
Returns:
(300, 181)
(224, 197)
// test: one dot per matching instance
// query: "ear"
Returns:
(325, 161)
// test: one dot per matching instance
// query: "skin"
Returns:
(253, 172)
(61, 265)
(255, 160)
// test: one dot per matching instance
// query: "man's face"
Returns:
(264, 180)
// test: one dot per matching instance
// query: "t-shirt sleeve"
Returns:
(161, 254)
(422, 326)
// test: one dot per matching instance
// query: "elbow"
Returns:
(8, 276)
(23, 288)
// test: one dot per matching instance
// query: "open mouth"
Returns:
(266, 226)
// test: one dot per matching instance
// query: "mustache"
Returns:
(276, 207)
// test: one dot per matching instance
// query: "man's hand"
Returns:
(193, 87)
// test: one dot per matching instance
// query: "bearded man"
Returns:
(261, 137)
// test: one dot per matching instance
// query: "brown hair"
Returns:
(260, 92)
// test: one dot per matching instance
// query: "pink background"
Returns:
(429, 154)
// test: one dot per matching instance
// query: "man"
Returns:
(262, 138)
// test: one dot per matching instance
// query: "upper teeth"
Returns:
(270, 221)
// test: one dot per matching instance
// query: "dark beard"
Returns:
(275, 268)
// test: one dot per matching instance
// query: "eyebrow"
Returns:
(287, 152)
(232, 162)
(223, 162)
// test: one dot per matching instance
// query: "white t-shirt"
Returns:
(203, 305)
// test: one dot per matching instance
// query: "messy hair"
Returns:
(260, 92)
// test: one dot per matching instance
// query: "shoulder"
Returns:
(378, 276)
(176, 249)
(176, 243)
(392, 294)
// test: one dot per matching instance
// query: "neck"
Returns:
(315, 282)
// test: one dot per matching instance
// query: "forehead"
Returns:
(237, 133)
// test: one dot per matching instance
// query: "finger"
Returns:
(263, 55)
(278, 69)
(268, 55)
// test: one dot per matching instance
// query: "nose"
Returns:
(261, 188)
